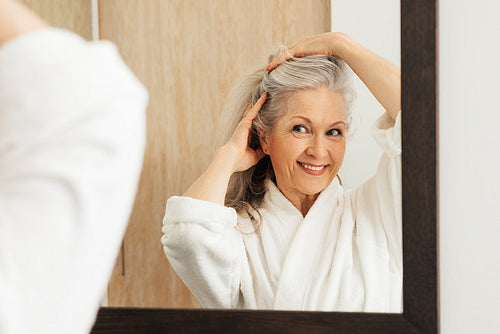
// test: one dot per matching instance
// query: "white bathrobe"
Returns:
(72, 135)
(344, 255)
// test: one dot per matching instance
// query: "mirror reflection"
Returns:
(190, 54)
(268, 224)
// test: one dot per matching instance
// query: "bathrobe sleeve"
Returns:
(378, 202)
(72, 134)
(205, 249)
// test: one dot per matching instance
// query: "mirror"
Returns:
(419, 100)
(184, 110)
(419, 199)
(273, 270)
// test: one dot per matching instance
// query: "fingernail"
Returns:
(267, 68)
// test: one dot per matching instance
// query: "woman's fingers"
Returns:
(242, 131)
(298, 50)
(241, 138)
(292, 51)
(318, 44)
(252, 111)
(279, 59)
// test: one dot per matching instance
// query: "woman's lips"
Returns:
(312, 169)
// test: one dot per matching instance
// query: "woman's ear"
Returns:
(263, 143)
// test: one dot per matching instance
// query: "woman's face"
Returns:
(308, 144)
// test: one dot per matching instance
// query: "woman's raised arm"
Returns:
(235, 156)
(382, 77)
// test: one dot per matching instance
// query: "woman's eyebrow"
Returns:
(337, 123)
(310, 122)
(302, 118)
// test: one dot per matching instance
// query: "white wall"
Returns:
(469, 149)
(376, 25)
(469, 159)
(94, 6)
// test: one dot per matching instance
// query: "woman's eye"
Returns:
(334, 132)
(299, 128)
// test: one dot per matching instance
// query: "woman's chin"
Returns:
(308, 186)
(312, 189)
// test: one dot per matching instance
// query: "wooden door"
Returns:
(74, 15)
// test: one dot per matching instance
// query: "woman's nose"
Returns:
(317, 147)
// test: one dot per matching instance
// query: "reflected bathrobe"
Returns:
(344, 255)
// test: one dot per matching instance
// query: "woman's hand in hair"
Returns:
(238, 146)
(328, 43)
(382, 77)
(236, 155)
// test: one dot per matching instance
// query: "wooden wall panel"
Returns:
(74, 15)
(187, 53)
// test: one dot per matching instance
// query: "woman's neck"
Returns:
(302, 202)
(305, 204)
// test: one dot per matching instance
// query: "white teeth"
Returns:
(311, 167)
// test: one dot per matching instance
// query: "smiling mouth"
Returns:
(312, 167)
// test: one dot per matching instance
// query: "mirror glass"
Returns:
(189, 54)
(377, 26)
(291, 262)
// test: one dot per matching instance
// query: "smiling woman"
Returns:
(289, 237)
(287, 85)
(308, 144)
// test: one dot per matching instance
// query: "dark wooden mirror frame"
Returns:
(419, 161)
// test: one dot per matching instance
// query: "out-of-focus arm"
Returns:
(72, 135)
(16, 19)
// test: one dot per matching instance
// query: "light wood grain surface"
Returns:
(74, 15)
(187, 53)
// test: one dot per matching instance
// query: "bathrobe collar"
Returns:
(317, 230)
(275, 197)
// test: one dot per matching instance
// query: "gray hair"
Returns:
(246, 189)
